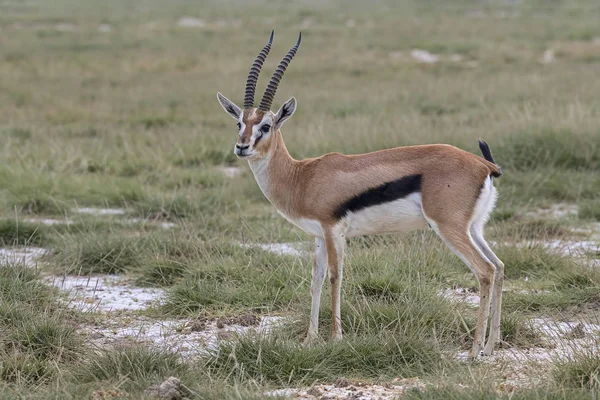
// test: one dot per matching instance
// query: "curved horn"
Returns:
(254, 71)
(267, 100)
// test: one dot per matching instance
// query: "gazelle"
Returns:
(336, 196)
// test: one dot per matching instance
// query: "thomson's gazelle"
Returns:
(336, 196)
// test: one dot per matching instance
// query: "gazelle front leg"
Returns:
(335, 243)
(316, 287)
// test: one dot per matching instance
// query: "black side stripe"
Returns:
(385, 193)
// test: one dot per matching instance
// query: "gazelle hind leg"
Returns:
(496, 301)
(484, 207)
(459, 240)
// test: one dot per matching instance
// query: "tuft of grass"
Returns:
(17, 368)
(534, 261)
(283, 362)
(536, 229)
(21, 285)
(18, 233)
(516, 330)
(38, 338)
(224, 275)
(97, 253)
(581, 371)
(133, 366)
(590, 209)
(46, 337)
(551, 300)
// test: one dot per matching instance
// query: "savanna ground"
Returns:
(111, 105)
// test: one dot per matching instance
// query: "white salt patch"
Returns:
(548, 57)
(48, 221)
(26, 256)
(558, 346)
(63, 27)
(104, 28)
(100, 211)
(555, 211)
(191, 22)
(178, 335)
(571, 248)
(461, 294)
(347, 390)
(282, 249)
(106, 293)
(232, 172)
(423, 56)
(476, 13)
(306, 23)
(164, 225)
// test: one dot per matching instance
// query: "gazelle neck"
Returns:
(276, 175)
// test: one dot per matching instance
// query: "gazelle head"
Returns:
(258, 126)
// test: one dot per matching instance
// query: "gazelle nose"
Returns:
(242, 148)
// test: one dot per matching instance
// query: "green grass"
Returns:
(582, 371)
(18, 233)
(590, 209)
(281, 362)
(128, 119)
(38, 335)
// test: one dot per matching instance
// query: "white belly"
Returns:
(401, 215)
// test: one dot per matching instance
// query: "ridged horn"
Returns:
(267, 100)
(254, 72)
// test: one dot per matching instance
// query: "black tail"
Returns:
(487, 154)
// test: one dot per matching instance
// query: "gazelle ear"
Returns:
(286, 111)
(229, 106)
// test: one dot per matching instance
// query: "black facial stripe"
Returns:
(257, 139)
(385, 193)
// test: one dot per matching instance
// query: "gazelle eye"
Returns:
(239, 125)
(265, 128)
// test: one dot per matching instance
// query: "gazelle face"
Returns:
(255, 133)
(256, 128)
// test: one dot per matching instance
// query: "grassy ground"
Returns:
(112, 104)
